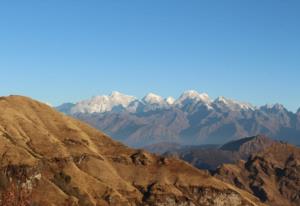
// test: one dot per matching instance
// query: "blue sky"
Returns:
(60, 51)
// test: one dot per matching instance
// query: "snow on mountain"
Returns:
(152, 98)
(188, 100)
(153, 102)
(192, 118)
(134, 106)
(233, 105)
(192, 95)
(170, 100)
(100, 104)
(273, 107)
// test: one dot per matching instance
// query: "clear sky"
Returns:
(63, 51)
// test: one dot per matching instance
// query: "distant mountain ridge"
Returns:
(249, 145)
(212, 156)
(193, 118)
(108, 103)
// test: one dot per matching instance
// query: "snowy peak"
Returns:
(273, 107)
(222, 102)
(170, 100)
(122, 99)
(192, 95)
(152, 98)
(104, 103)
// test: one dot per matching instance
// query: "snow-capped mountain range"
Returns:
(118, 101)
(193, 118)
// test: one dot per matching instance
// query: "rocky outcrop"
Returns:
(272, 175)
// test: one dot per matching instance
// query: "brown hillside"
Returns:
(62, 161)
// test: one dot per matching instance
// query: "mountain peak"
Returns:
(152, 98)
(104, 103)
(273, 107)
(221, 99)
(191, 92)
(232, 104)
(170, 100)
(193, 95)
(118, 96)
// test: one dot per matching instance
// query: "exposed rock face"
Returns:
(272, 175)
(62, 161)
